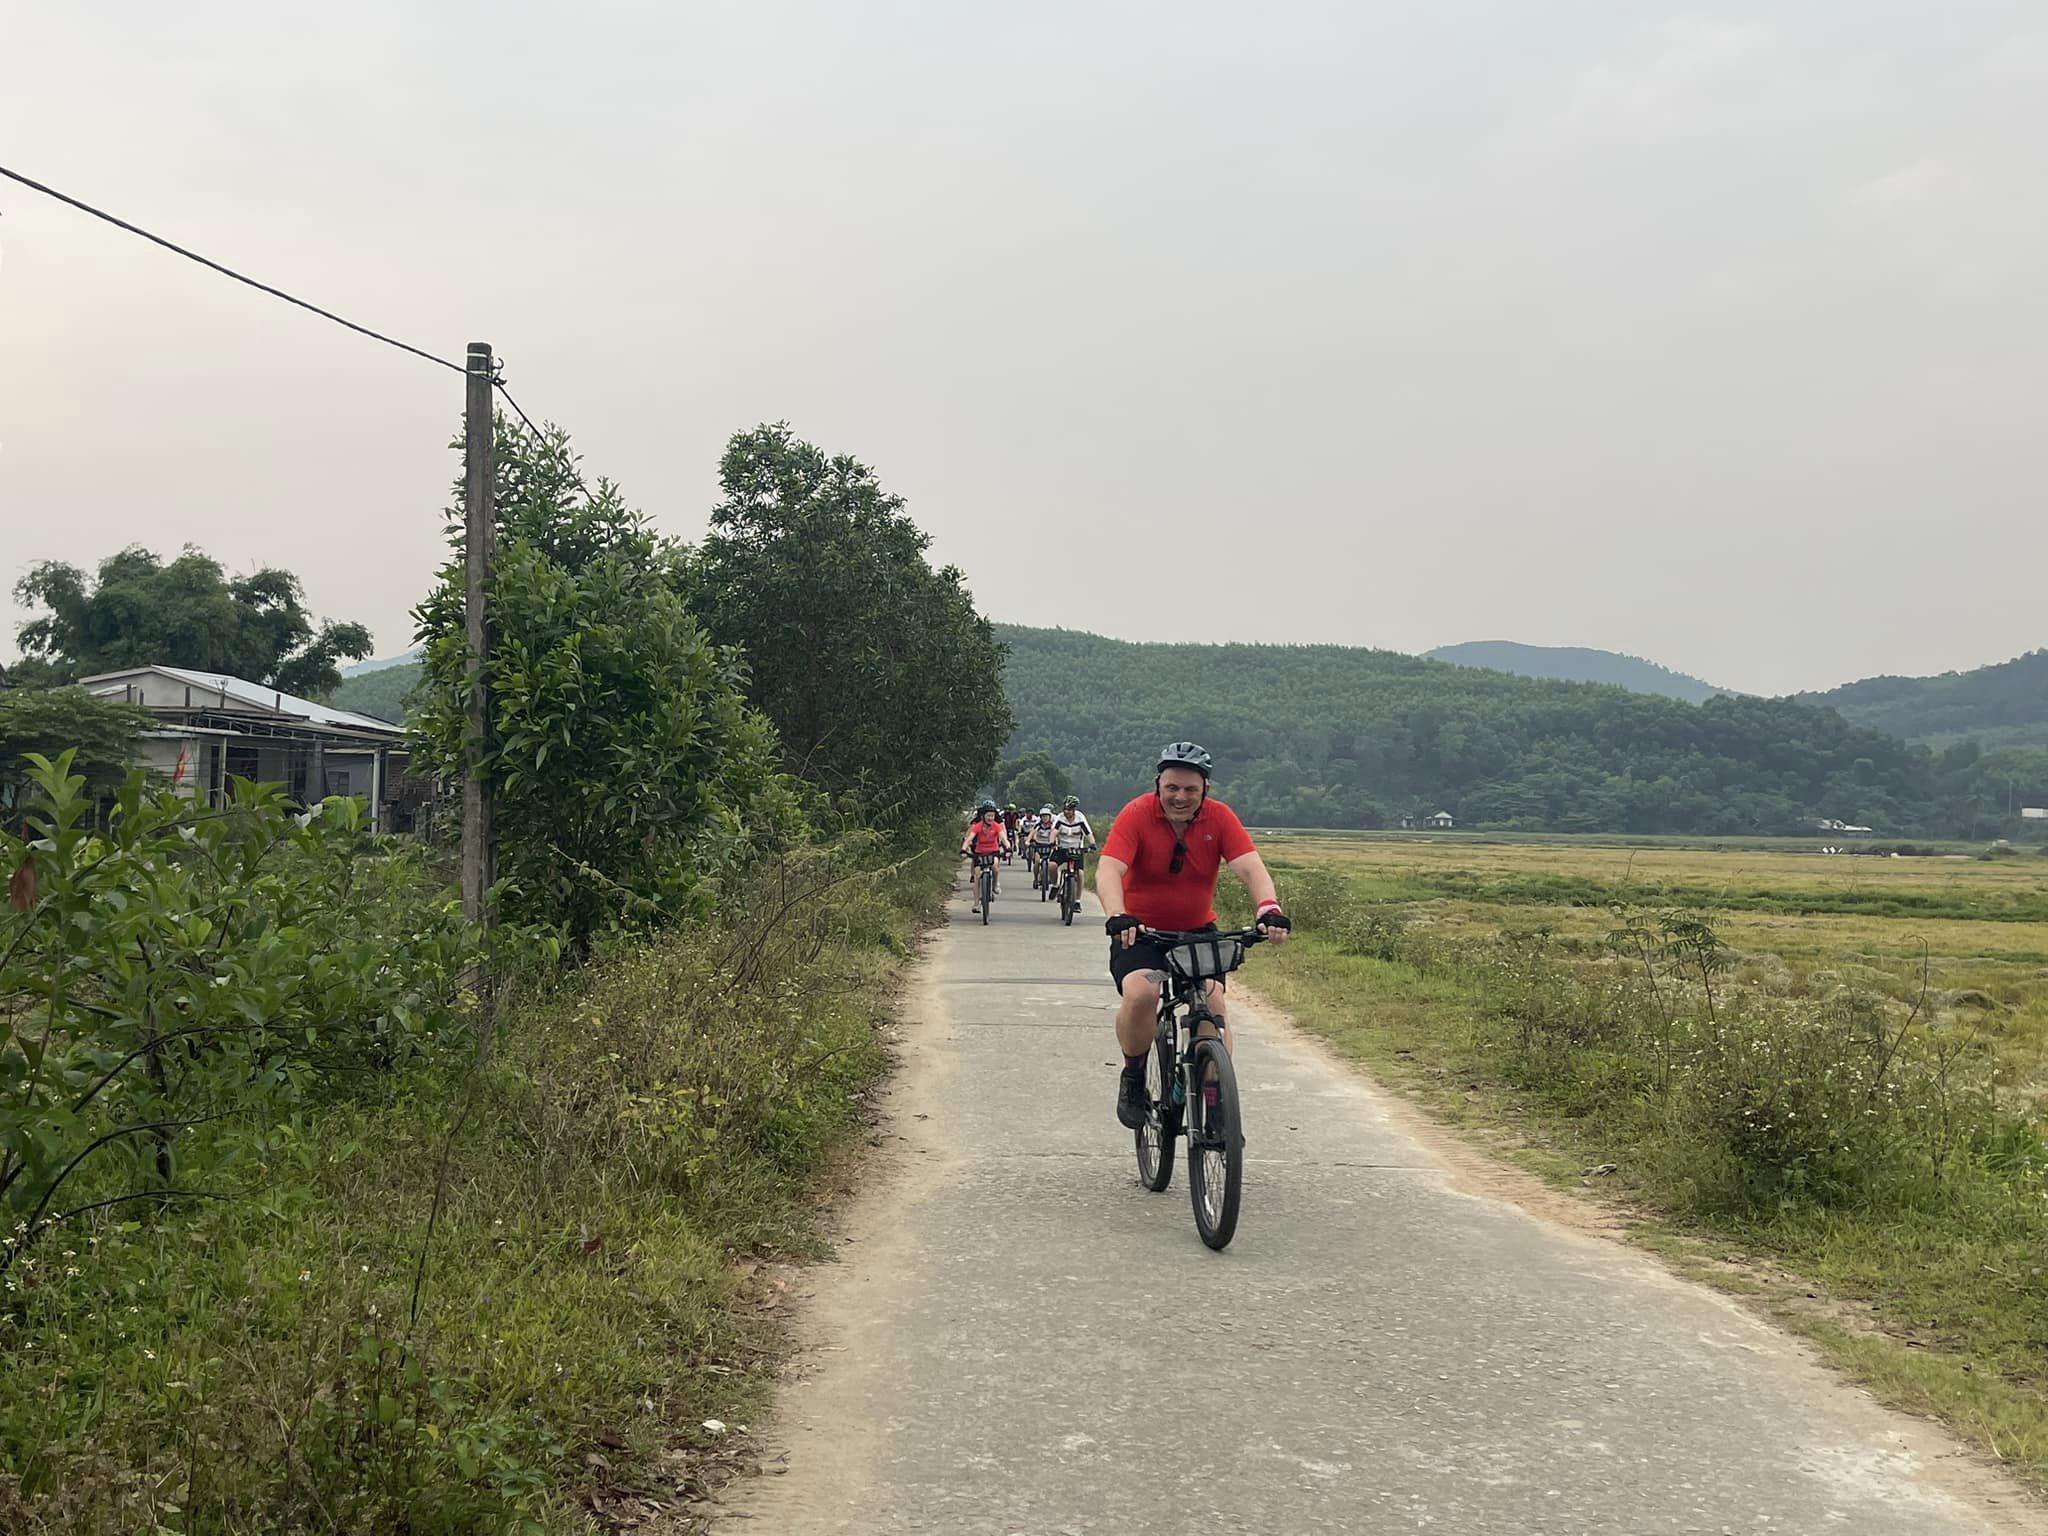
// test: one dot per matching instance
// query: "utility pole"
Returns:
(479, 864)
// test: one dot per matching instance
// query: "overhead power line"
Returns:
(189, 255)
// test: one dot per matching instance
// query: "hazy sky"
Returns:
(1716, 334)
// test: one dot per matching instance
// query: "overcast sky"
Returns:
(1714, 334)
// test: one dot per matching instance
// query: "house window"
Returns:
(242, 762)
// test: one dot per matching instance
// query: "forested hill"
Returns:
(379, 691)
(1331, 736)
(2004, 704)
(1576, 664)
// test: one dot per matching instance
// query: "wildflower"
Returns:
(305, 1274)
(149, 1352)
(71, 1271)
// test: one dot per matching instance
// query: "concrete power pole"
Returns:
(479, 864)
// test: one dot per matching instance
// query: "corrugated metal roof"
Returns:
(257, 696)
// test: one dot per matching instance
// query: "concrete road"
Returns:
(1020, 1339)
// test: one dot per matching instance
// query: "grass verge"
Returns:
(1930, 1293)
(595, 1315)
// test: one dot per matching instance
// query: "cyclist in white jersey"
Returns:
(1070, 829)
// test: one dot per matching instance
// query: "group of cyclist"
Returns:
(1158, 872)
(1056, 838)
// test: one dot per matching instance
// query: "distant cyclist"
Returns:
(1072, 837)
(1010, 823)
(1158, 869)
(986, 838)
(1042, 836)
(1070, 830)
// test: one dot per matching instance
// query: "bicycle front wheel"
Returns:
(988, 894)
(1215, 1146)
(1162, 1121)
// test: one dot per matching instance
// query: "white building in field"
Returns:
(211, 727)
(2034, 812)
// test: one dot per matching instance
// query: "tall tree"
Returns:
(136, 610)
(883, 680)
(627, 765)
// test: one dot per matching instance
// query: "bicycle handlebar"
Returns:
(1166, 936)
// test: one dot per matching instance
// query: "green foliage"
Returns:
(1031, 781)
(1329, 736)
(100, 736)
(138, 610)
(383, 694)
(1577, 664)
(2008, 703)
(607, 1194)
(629, 771)
(884, 682)
(186, 968)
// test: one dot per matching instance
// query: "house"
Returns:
(2034, 812)
(210, 727)
(1441, 820)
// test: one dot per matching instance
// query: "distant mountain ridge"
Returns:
(2006, 703)
(1338, 736)
(378, 689)
(1577, 664)
(365, 668)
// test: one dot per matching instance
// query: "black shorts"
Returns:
(1141, 956)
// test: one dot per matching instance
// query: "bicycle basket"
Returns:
(1205, 958)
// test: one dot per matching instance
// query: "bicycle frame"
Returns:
(1180, 995)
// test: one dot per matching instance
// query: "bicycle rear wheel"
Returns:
(1162, 1121)
(1215, 1146)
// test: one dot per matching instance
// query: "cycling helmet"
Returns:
(1045, 810)
(986, 805)
(1184, 754)
(1071, 803)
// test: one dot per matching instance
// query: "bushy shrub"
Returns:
(182, 973)
(630, 774)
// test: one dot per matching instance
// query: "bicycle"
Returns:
(1070, 885)
(1181, 1070)
(1042, 861)
(985, 883)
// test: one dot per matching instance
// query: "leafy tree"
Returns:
(53, 721)
(629, 769)
(1032, 779)
(884, 682)
(1031, 789)
(188, 613)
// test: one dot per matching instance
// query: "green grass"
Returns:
(619, 1188)
(1932, 1289)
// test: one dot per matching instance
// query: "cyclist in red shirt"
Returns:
(987, 836)
(1158, 869)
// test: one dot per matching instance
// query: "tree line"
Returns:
(656, 706)
(1335, 736)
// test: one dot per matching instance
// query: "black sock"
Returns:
(1134, 1066)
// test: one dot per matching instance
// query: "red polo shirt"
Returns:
(1143, 839)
